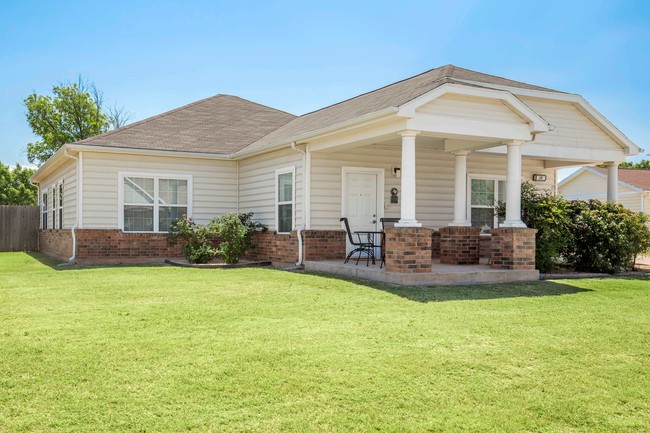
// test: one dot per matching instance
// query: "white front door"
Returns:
(361, 205)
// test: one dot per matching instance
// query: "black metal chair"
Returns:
(390, 222)
(359, 245)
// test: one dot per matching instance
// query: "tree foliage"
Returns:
(644, 164)
(73, 112)
(15, 188)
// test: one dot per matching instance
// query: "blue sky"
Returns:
(297, 56)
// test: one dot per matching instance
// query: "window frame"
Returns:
(278, 172)
(57, 205)
(44, 208)
(477, 176)
(54, 190)
(156, 205)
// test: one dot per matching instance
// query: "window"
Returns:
(484, 195)
(152, 203)
(54, 206)
(44, 210)
(284, 197)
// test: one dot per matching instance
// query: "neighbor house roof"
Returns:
(221, 124)
(225, 124)
(637, 177)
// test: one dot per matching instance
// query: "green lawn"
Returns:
(165, 349)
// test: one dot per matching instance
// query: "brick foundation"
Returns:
(459, 245)
(408, 249)
(282, 249)
(56, 243)
(435, 245)
(485, 247)
(94, 245)
(513, 248)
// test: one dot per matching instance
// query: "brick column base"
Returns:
(435, 245)
(513, 248)
(408, 249)
(459, 245)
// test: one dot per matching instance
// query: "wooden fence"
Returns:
(19, 228)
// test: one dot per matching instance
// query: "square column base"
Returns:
(459, 245)
(513, 248)
(408, 249)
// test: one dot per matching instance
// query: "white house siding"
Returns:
(588, 185)
(68, 173)
(435, 181)
(471, 107)
(571, 127)
(257, 185)
(214, 184)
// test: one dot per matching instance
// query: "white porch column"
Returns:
(407, 216)
(460, 191)
(513, 186)
(612, 182)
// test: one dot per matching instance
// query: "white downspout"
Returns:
(74, 227)
(302, 226)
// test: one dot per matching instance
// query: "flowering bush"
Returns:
(198, 246)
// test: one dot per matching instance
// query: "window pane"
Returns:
(284, 218)
(138, 218)
(482, 192)
(172, 191)
(61, 195)
(167, 215)
(138, 190)
(502, 191)
(483, 218)
(285, 187)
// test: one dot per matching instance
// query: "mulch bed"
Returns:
(217, 264)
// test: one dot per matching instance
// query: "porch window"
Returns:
(284, 198)
(44, 210)
(485, 194)
(151, 204)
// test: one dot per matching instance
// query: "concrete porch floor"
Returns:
(440, 275)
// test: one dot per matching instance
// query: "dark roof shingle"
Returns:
(634, 176)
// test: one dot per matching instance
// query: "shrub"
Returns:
(607, 237)
(198, 246)
(236, 234)
(549, 214)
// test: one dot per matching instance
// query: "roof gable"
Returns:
(637, 177)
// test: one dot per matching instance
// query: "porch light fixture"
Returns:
(397, 171)
(539, 177)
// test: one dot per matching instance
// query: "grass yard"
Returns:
(165, 349)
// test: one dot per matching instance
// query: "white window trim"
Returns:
(58, 205)
(53, 193)
(44, 207)
(156, 176)
(469, 194)
(278, 172)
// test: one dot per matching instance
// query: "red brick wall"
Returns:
(408, 249)
(513, 248)
(485, 247)
(459, 245)
(282, 249)
(94, 245)
(56, 243)
(435, 245)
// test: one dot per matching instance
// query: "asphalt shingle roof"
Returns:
(634, 176)
(225, 124)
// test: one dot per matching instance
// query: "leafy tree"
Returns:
(15, 188)
(644, 164)
(73, 112)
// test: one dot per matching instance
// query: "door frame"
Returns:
(380, 172)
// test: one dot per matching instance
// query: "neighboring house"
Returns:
(591, 183)
(436, 150)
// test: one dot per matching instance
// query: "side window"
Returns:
(44, 210)
(484, 195)
(284, 181)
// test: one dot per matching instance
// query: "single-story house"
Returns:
(632, 185)
(436, 150)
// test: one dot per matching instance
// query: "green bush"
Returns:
(198, 245)
(549, 214)
(606, 237)
(236, 234)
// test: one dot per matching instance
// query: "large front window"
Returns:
(284, 202)
(484, 196)
(151, 204)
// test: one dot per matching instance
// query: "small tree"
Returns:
(198, 245)
(15, 187)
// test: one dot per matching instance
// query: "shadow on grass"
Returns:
(62, 265)
(470, 292)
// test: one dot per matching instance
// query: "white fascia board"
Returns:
(47, 165)
(585, 107)
(132, 151)
(457, 127)
(536, 122)
(545, 151)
